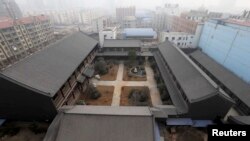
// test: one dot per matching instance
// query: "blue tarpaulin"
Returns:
(188, 121)
(202, 123)
(2, 121)
(179, 121)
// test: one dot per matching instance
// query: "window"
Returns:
(192, 37)
(178, 44)
(173, 38)
(166, 39)
(179, 38)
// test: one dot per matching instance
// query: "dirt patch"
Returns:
(184, 133)
(126, 101)
(105, 98)
(111, 75)
(126, 77)
(24, 135)
(25, 132)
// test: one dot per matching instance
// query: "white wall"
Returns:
(183, 40)
(106, 35)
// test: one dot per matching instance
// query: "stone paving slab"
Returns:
(119, 83)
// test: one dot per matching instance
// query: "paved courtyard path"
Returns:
(119, 83)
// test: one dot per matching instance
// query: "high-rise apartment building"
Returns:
(23, 36)
(9, 8)
(181, 24)
(123, 12)
(162, 19)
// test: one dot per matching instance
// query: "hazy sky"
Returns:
(216, 5)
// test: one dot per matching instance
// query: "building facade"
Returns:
(196, 15)
(106, 34)
(182, 39)
(23, 36)
(9, 8)
(162, 18)
(181, 24)
(123, 12)
(100, 24)
(143, 34)
(129, 22)
(227, 42)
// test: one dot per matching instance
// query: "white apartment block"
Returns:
(129, 22)
(162, 19)
(100, 24)
(107, 33)
(182, 39)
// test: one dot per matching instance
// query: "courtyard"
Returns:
(123, 87)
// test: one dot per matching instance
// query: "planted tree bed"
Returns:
(111, 75)
(127, 77)
(135, 96)
(106, 96)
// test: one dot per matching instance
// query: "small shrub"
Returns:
(153, 65)
(10, 130)
(35, 128)
(95, 95)
(140, 62)
(101, 67)
(143, 97)
(100, 59)
(80, 102)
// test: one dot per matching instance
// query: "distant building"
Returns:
(162, 18)
(123, 12)
(23, 36)
(60, 17)
(9, 8)
(182, 39)
(181, 24)
(129, 22)
(100, 24)
(107, 33)
(246, 15)
(144, 34)
(34, 88)
(196, 15)
(227, 42)
(215, 15)
(144, 22)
